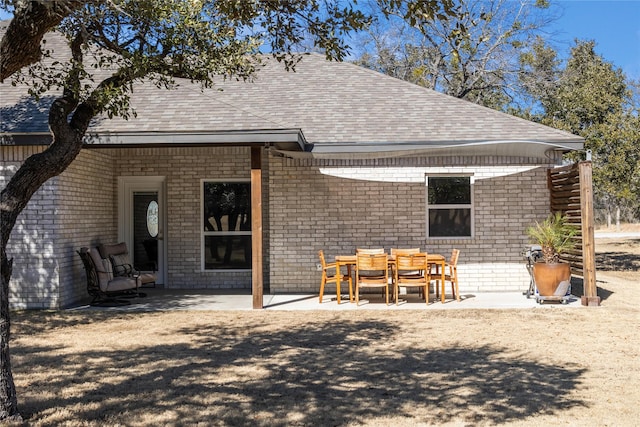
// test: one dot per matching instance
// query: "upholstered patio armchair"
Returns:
(101, 283)
(118, 254)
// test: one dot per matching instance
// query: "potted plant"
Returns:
(555, 237)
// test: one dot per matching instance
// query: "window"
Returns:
(449, 206)
(152, 218)
(226, 228)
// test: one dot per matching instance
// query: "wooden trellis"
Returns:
(571, 192)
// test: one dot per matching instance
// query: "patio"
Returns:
(203, 299)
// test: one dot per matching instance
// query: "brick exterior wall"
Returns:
(184, 168)
(308, 205)
(79, 208)
(338, 206)
(86, 215)
(47, 272)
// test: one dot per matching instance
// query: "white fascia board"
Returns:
(291, 138)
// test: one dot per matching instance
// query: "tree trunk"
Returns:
(8, 398)
(34, 172)
(19, 47)
(617, 218)
(68, 121)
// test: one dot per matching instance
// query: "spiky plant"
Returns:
(554, 235)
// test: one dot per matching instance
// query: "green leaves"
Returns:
(160, 40)
(554, 234)
(589, 97)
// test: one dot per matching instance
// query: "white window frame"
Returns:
(204, 233)
(469, 206)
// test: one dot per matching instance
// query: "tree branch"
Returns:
(33, 20)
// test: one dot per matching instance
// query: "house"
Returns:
(347, 158)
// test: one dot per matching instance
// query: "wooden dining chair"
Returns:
(393, 253)
(405, 250)
(451, 273)
(370, 251)
(372, 271)
(330, 274)
(411, 270)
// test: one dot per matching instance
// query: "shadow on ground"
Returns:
(619, 261)
(347, 372)
(577, 288)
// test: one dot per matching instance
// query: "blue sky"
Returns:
(613, 24)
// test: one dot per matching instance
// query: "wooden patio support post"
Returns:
(256, 227)
(590, 297)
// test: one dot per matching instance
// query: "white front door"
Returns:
(142, 222)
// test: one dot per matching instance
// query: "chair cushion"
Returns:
(121, 264)
(108, 268)
(121, 284)
(114, 249)
(103, 271)
(148, 278)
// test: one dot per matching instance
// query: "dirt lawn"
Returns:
(535, 367)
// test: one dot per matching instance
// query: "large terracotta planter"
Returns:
(549, 276)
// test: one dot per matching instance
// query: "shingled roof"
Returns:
(323, 109)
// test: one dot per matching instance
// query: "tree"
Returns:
(156, 40)
(538, 77)
(472, 54)
(617, 165)
(588, 96)
(20, 46)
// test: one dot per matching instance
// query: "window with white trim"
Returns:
(449, 206)
(226, 225)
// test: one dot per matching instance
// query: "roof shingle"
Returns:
(331, 103)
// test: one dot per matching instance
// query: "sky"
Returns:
(613, 24)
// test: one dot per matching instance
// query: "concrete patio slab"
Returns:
(167, 299)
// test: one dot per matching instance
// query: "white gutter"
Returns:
(538, 149)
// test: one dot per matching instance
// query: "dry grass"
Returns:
(557, 366)
(624, 227)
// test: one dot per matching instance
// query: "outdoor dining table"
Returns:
(349, 261)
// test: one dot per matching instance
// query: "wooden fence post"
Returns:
(571, 192)
(590, 297)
